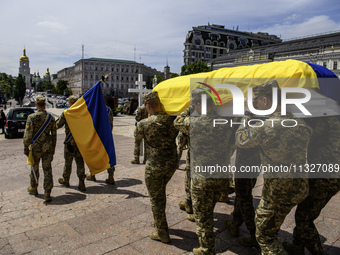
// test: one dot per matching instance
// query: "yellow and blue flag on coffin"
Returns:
(175, 93)
(89, 123)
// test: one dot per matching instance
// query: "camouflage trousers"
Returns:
(243, 206)
(279, 196)
(136, 149)
(156, 181)
(268, 220)
(188, 200)
(72, 152)
(111, 170)
(305, 233)
(205, 193)
(46, 160)
(182, 141)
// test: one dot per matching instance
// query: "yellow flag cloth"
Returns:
(30, 159)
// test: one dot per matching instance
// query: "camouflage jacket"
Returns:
(47, 140)
(209, 146)
(141, 113)
(61, 121)
(160, 136)
(279, 146)
(324, 146)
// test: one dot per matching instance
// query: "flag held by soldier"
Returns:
(90, 126)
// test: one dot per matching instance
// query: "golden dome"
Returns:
(48, 71)
(24, 57)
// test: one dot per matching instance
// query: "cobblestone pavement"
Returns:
(115, 219)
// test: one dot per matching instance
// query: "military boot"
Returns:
(191, 217)
(81, 186)
(181, 205)
(249, 242)
(160, 235)
(135, 161)
(224, 198)
(91, 177)
(32, 191)
(197, 251)
(234, 230)
(47, 197)
(293, 249)
(110, 180)
(63, 182)
(185, 207)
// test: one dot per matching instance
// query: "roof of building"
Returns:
(111, 60)
(24, 57)
(299, 45)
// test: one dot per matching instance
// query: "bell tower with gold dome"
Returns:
(24, 69)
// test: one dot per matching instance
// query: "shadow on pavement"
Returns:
(103, 188)
(68, 198)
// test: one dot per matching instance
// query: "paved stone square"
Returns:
(117, 219)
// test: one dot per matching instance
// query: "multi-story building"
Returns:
(204, 43)
(122, 75)
(322, 49)
(24, 69)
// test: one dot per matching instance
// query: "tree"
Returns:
(19, 88)
(61, 87)
(47, 85)
(195, 67)
(173, 75)
(6, 84)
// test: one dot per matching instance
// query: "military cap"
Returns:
(151, 96)
(40, 99)
(265, 88)
(72, 99)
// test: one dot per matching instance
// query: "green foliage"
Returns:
(47, 85)
(6, 84)
(173, 75)
(19, 90)
(195, 67)
(61, 87)
(68, 92)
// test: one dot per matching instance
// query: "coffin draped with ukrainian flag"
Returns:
(89, 123)
(324, 84)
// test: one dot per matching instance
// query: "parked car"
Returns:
(60, 105)
(29, 104)
(16, 121)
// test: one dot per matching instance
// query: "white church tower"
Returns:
(24, 69)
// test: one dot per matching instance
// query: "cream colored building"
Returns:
(122, 75)
(321, 49)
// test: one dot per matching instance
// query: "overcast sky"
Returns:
(53, 31)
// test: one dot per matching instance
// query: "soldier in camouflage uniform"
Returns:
(111, 170)
(186, 205)
(182, 142)
(71, 151)
(43, 148)
(280, 146)
(141, 114)
(324, 148)
(160, 136)
(243, 206)
(209, 146)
